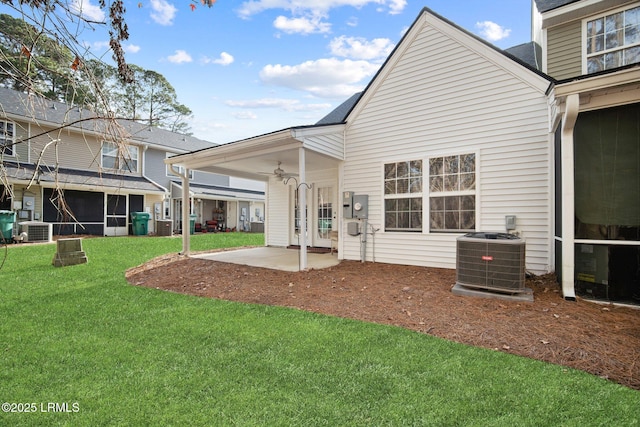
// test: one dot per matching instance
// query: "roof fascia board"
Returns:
(578, 10)
(301, 133)
(620, 78)
(237, 150)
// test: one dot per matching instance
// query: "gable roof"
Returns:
(547, 5)
(30, 107)
(526, 55)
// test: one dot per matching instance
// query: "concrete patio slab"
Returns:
(270, 257)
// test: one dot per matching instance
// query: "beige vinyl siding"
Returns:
(66, 149)
(444, 98)
(21, 149)
(564, 50)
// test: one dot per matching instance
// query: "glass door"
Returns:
(324, 214)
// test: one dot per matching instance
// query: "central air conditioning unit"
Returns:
(491, 261)
(37, 231)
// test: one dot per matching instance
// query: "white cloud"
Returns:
(179, 57)
(309, 25)
(361, 48)
(88, 10)
(245, 115)
(321, 7)
(278, 103)
(163, 12)
(224, 59)
(324, 78)
(492, 31)
(131, 48)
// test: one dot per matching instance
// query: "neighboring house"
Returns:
(453, 135)
(49, 145)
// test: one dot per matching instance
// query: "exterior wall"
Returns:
(564, 50)
(154, 167)
(277, 218)
(21, 151)
(443, 98)
(73, 150)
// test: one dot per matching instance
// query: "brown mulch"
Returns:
(601, 339)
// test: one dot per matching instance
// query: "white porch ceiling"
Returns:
(256, 158)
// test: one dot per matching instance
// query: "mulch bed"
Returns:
(601, 339)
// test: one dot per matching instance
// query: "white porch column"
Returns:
(572, 106)
(302, 205)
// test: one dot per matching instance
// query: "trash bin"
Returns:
(192, 223)
(140, 222)
(7, 219)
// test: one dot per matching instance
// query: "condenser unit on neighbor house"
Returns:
(37, 231)
(491, 261)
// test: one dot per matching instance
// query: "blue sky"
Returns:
(246, 68)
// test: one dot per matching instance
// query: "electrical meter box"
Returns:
(361, 206)
(355, 205)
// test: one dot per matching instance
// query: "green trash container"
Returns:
(140, 222)
(192, 223)
(7, 218)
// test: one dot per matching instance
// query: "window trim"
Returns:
(118, 158)
(8, 141)
(429, 194)
(584, 37)
(409, 195)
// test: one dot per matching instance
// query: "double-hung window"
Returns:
(452, 193)
(123, 158)
(403, 196)
(7, 138)
(613, 40)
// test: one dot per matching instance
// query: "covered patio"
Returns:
(273, 258)
(291, 162)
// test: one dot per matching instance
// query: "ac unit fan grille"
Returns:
(493, 264)
(38, 232)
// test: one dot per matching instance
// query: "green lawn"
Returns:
(81, 338)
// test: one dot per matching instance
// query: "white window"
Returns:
(612, 40)
(452, 193)
(179, 168)
(403, 196)
(7, 138)
(120, 157)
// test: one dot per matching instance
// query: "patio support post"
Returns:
(186, 210)
(572, 106)
(302, 204)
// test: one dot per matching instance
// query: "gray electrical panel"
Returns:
(347, 204)
(353, 228)
(355, 205)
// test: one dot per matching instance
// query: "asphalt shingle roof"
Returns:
(547, 5)
(32, 107)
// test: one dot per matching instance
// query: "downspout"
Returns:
(186, 235)
(572, 106)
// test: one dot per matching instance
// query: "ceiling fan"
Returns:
(279, 172)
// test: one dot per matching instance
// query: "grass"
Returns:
(113, 354)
